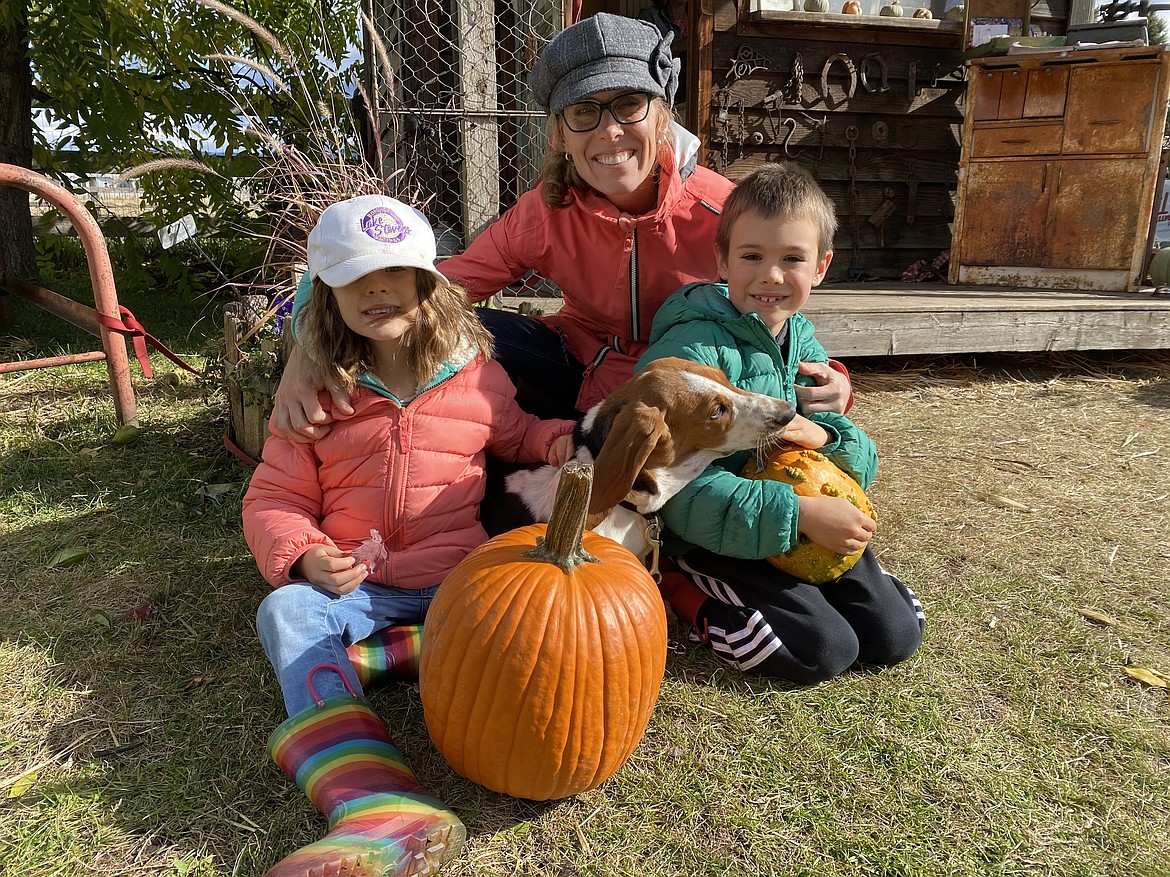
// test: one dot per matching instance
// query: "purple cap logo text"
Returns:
(382, 224)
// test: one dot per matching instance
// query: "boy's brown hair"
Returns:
(778, 189)
(446, 323)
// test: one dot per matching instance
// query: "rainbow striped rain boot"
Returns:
(390, 655)
(381, 821)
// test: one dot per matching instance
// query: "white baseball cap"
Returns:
(368, 233)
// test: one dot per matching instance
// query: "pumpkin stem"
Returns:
(561, 544)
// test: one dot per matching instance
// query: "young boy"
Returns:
(774, 245)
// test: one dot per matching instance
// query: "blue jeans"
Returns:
(302, 626)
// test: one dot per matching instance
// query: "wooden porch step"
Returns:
(899, 319)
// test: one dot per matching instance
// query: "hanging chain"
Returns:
(854, 197)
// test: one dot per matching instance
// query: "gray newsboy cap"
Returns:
(602, 53)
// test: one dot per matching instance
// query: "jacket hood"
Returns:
(708, 302)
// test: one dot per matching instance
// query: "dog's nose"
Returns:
(783, 415)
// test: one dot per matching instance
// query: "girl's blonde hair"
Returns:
(559, 177)
(446, 324)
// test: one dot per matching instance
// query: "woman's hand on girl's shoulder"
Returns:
(332, 569)
(297, 414)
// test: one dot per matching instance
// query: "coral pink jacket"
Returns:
(614, 270)
(415, 474)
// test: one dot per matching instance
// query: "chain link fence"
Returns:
(458, 123)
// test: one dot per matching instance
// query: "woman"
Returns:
(622, 218)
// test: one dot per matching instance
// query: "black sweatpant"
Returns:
(762, 620)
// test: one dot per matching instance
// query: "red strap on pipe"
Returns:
(130, 326)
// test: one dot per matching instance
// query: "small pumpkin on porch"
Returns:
(816, 5)
(893, 9)
(542, 655)
(851, 7)
(811, 473)
(923, 13)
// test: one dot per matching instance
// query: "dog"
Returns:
(649, 439)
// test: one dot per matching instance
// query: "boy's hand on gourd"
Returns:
(831, 392)
(560, 450)
(332, 569)
(804, 432)
(297, 415)
(835, 523)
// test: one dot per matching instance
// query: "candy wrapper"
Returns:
(371, 552)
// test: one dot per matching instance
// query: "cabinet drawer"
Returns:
(1110, 108)
(990, 141)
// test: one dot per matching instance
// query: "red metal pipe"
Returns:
(101, 277)
(51, 361)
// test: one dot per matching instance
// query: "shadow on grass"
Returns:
(156, 697)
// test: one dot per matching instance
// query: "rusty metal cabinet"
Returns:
(1061, 158)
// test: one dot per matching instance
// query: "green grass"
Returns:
(1012, 494)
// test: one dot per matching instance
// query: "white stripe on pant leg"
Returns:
(914, 601)
(745, 655)
(710, 585)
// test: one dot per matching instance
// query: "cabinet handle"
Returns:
(1105, 122)
(1044, 180)
(1017, 140)
(1059, 177)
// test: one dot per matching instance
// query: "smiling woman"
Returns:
(623, 217)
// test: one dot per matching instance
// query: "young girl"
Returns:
(357, 530)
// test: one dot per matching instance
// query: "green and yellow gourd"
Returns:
(811, 473)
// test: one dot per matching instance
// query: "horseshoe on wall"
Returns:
(844, 59)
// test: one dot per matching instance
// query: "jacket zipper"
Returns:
(635, 322)
(394, 522)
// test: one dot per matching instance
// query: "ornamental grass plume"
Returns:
(316, 137)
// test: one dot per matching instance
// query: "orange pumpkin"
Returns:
(851, 7)
(542, 655)
(811, 473)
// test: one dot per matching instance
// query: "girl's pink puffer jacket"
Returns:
(414, 474)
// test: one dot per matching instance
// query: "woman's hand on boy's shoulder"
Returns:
(831, 392)
(331, 568)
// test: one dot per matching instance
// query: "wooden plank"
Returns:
(910, 319)
(478, 127)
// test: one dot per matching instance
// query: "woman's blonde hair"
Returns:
(559, 177)
(446, 323)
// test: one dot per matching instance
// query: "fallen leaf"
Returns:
(138, 613)
(1148, 676)
(68, 557)
(198, 682)
(1005, 502)
(1097, 617)
(22, 785)
(91, 453)
(214, 491)
(126, 433)
(100, 618)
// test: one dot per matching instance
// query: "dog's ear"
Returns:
(635, 432)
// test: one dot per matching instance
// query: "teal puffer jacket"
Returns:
(720, 510)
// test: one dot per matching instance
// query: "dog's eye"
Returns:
(719, 410)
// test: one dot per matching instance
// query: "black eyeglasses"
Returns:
(627, 109)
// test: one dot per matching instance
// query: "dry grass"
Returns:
(1013, 493)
